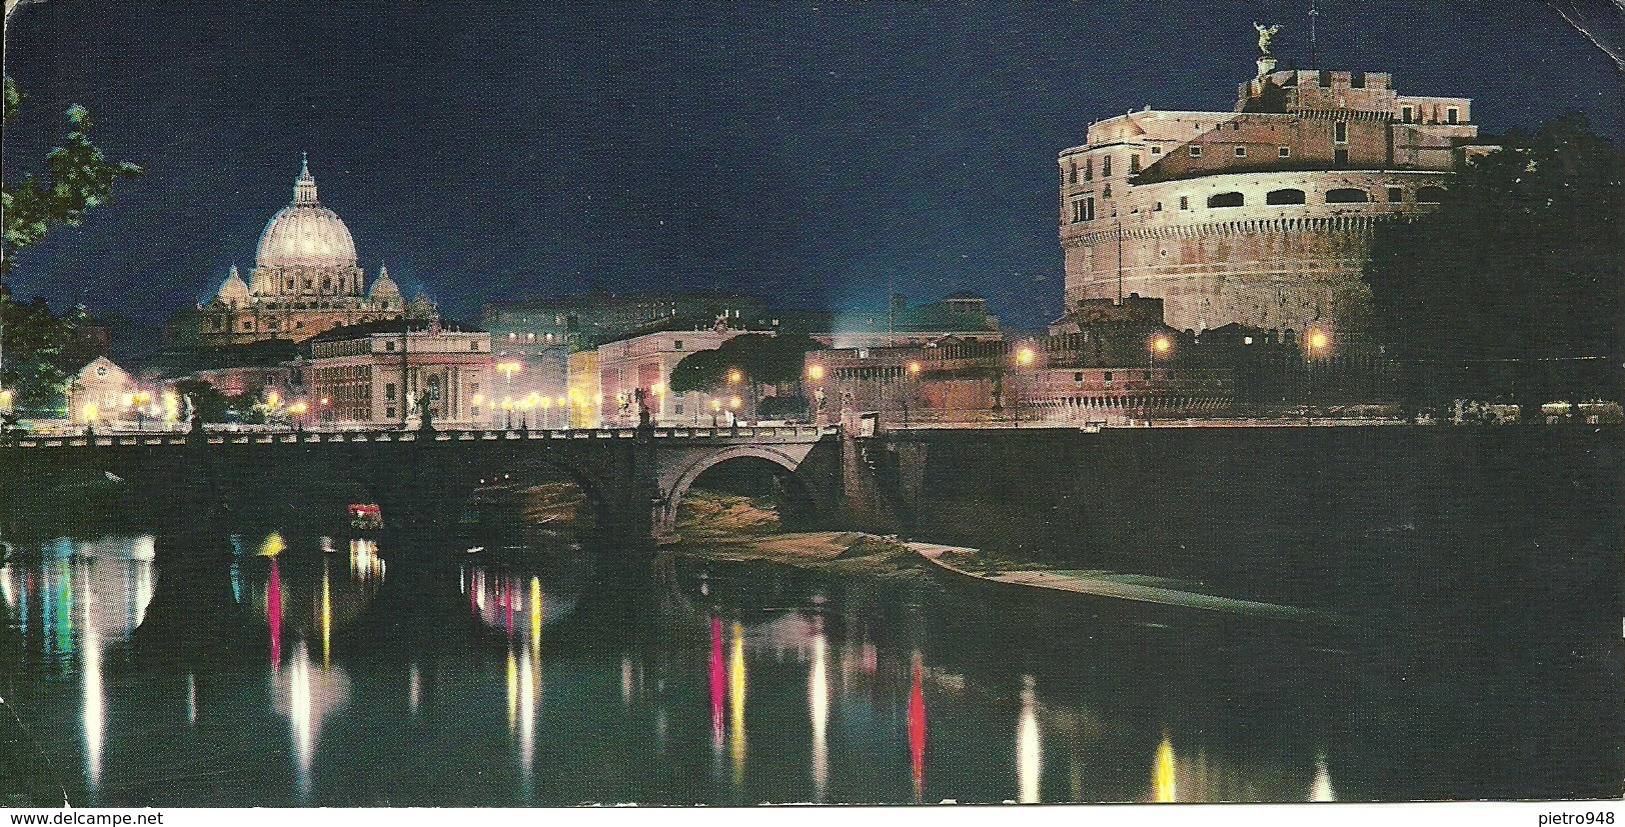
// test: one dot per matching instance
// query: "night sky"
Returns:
(813, 153)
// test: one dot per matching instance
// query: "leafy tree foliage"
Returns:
(760, 359)
(1516, 276)
(207, 400)
(77, 178)
(34, 342)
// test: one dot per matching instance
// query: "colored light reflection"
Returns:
(916, 729)
(536, 614)
(736, 698)
(273, 612)
(273, 545)
(719, 681)
(1165, 788)
(326, 616)
(1029, 753)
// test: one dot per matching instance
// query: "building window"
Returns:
(1107, 376)
(474, 345)
(1106, 166)
(1407, 114)
(1072, 175)
(1077, 377)
(1196, 151)
(1241, 152)
(1451, 114)
(1347, 196)
(1340, 132)
(1227, 199)
(389, 345)
(1156, 150)
(1088, 169)
(1077, 211)
(1429, 195)
(1106, 191)
(1184, 202)
(389, 413)
(1133, 164)
(1158, 207)
(1341, 157)
(389, 392)
(307, 284)
(1284, 152)
(1288, 196)
(677, 408)
(1395, 195)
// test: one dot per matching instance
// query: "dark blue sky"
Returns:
(809, 152)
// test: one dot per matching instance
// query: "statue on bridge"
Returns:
(426, 423)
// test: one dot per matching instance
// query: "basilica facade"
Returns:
(305, 281)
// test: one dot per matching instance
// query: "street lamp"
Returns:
(1317, 342)
(507, 405)
(508, 369)
(298, 409)
(140, 399)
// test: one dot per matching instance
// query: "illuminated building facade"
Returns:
(375, 374)
(305, 281)
(1263, 215)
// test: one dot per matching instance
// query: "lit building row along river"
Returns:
(302, 669)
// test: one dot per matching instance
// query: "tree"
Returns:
(1511, 287)
(77, 178)
(761, 359)
(207, 400)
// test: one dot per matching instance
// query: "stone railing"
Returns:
(770, 433)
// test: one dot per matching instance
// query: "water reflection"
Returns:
(1164, 774)
(818, 707)
(307, 695)
(70, 604)
(1029, 750)
(875, 672)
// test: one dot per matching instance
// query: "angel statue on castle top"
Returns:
(1265, 35)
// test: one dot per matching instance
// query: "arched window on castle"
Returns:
(1347, 196)
(1285, 197)
(1226, 199)
(1429, 195)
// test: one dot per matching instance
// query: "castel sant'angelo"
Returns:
(1260, 216)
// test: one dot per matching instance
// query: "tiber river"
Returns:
(275, 668)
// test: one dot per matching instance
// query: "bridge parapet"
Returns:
(742, 434)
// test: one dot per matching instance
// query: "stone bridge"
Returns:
(635, 478)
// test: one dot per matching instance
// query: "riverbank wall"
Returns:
(1337, 518)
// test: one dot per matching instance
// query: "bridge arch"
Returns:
(674, 483)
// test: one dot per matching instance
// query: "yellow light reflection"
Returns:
(736, 698)
(536, 616)
(513, 691)
(1029, 753)
(327, 616)
(273, 545)
(1165, 789)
